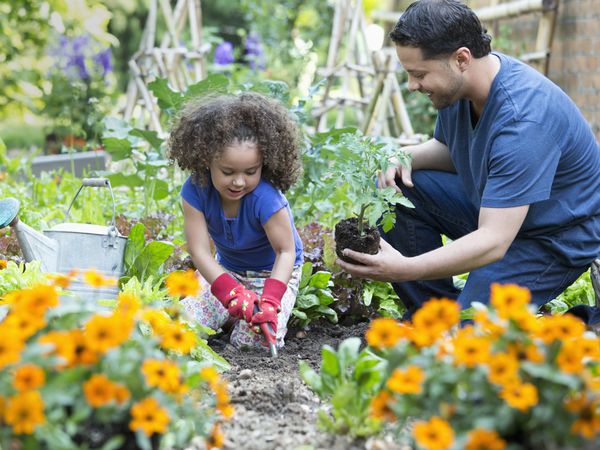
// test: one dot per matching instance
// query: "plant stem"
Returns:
(361, 218)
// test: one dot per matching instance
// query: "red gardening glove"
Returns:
(238, 300)
(269, 305)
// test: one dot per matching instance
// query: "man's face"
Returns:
(439, 79)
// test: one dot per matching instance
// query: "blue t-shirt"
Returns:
(531, 146)
(241, 242)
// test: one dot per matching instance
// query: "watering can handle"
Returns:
(95, 182)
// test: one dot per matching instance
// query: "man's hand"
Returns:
(388, 177)
(387, 265)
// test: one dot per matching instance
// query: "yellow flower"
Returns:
(521, 396)
(437, 316)
(162, 374)
(482, 439)
(226, 410)
(216, 437)
(11, 344)
(435, 434)
(175, 337)
(29, 377)
(503, 369)
(99, 390)
(25, 323)
(471, 350)
(384, 332)
(60, 280)
(559, 328)
(122, 394)
(148, 416)
(156, 319)
(380, 407)
(587, 423)
(183, 284)
(38, 299)
(24, 412)
(97, 280)
(128, 303)
(489, 327)
(409, 381)
(82, 353)
(62, 345)
(508, 297)
(570, 357)
(210, 375)
(105, 332)
(3, 264)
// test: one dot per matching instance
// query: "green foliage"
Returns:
(314, 297)
(347, 380)
(20, 276)
(143, 260)
(383, 297)
(580, 292)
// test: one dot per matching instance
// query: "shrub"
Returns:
(508, 380)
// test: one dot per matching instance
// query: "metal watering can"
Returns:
(72, 246)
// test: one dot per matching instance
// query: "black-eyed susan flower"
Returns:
(148, 416)
(503, 368)
(434, 434)
(482, 439)
(174, 336)
(24, 412)
(183, 284)
(38, 299)
(384, 332)
(380, 406)
(521, 396)
(471, 350)
(99, 390)
(216, 437)
(11, 345)
(163, 374)
(95, 279)
(27, 324)
(406, 381)
(506, 298)
(28, 377)
(570, 356)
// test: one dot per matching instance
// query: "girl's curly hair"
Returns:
(205, 126)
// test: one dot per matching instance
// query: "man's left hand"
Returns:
(387, 265)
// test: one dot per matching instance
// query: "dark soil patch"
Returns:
(274, 409)
(347, 236)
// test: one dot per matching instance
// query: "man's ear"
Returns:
(463, 58)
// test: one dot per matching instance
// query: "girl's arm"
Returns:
(198, 241)
(279, 232)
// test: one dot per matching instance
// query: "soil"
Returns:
(274, 409)
(347, 236)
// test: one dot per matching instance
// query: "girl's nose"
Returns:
(238, 181)
(412, 84)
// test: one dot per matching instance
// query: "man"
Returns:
(511, 175)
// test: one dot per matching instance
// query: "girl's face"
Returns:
(236, 171)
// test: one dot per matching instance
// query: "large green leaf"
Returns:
(135, 243)
(119, 179)
(118, 148)
(167, 97)
(152, 257)
(150, 136)
(215, 83)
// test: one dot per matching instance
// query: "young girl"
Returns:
(242, 152)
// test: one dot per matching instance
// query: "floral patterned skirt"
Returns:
(208, 311)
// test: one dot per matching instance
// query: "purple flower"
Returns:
(104, 59)
(224, 54)
(254, 52)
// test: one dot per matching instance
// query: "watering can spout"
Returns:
(34, 245)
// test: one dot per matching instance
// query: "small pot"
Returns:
(347, 236)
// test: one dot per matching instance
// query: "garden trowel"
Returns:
(270, 336)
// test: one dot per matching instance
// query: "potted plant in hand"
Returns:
(358, 160)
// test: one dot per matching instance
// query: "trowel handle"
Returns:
(95, 182)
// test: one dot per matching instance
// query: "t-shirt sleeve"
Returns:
(521, 167)
(194, 196)
(271, 201)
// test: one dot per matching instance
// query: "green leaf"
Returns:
(320, 279)
(307, 301)
(307, 268)
(118, 148)
(135, 243)
(310, 377)
(119, 179)
(330, 364)
(348, 352)
(150, 136)
(152, 256)
(113, 443)
(160, 189)
(167, 97)
(215, 83)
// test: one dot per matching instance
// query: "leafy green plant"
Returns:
(383, 297)
(347, 380)
(314, 297)
(143, 260)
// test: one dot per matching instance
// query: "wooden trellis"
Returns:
(545, 10)
(169, 59)
(366, 82)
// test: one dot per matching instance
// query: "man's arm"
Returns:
(497, 230)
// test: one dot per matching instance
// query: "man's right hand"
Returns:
(388, 177)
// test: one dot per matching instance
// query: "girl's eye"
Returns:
(251, 172)
(226, 173)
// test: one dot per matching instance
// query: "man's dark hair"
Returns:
(439, 27)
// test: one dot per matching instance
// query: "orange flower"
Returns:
(587, 423)
(437, 316)
(503, 369)
(508, 297)
(122, 394)
(471, 350)
(28, 377)
(97, 280)
(489, 327)
(570, 357)
(380, 407)
(156, 319)
(216, 437)
(385, 332)
(210, 375)
(25, 323)
(162, 374)
(521, 396)
(128, 303)
(99, 390)
(435, 434)
(148, 416)
(409, 381)
(62, 345)
(105, 332)
(60, 280)
(24, 412)
(38, 299)
(560, 327)
(177, 338)
(11, 344)
(3, 264)
(481, 439)
(182, 284)
(82, 353)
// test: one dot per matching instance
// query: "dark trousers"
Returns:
(442, 207)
